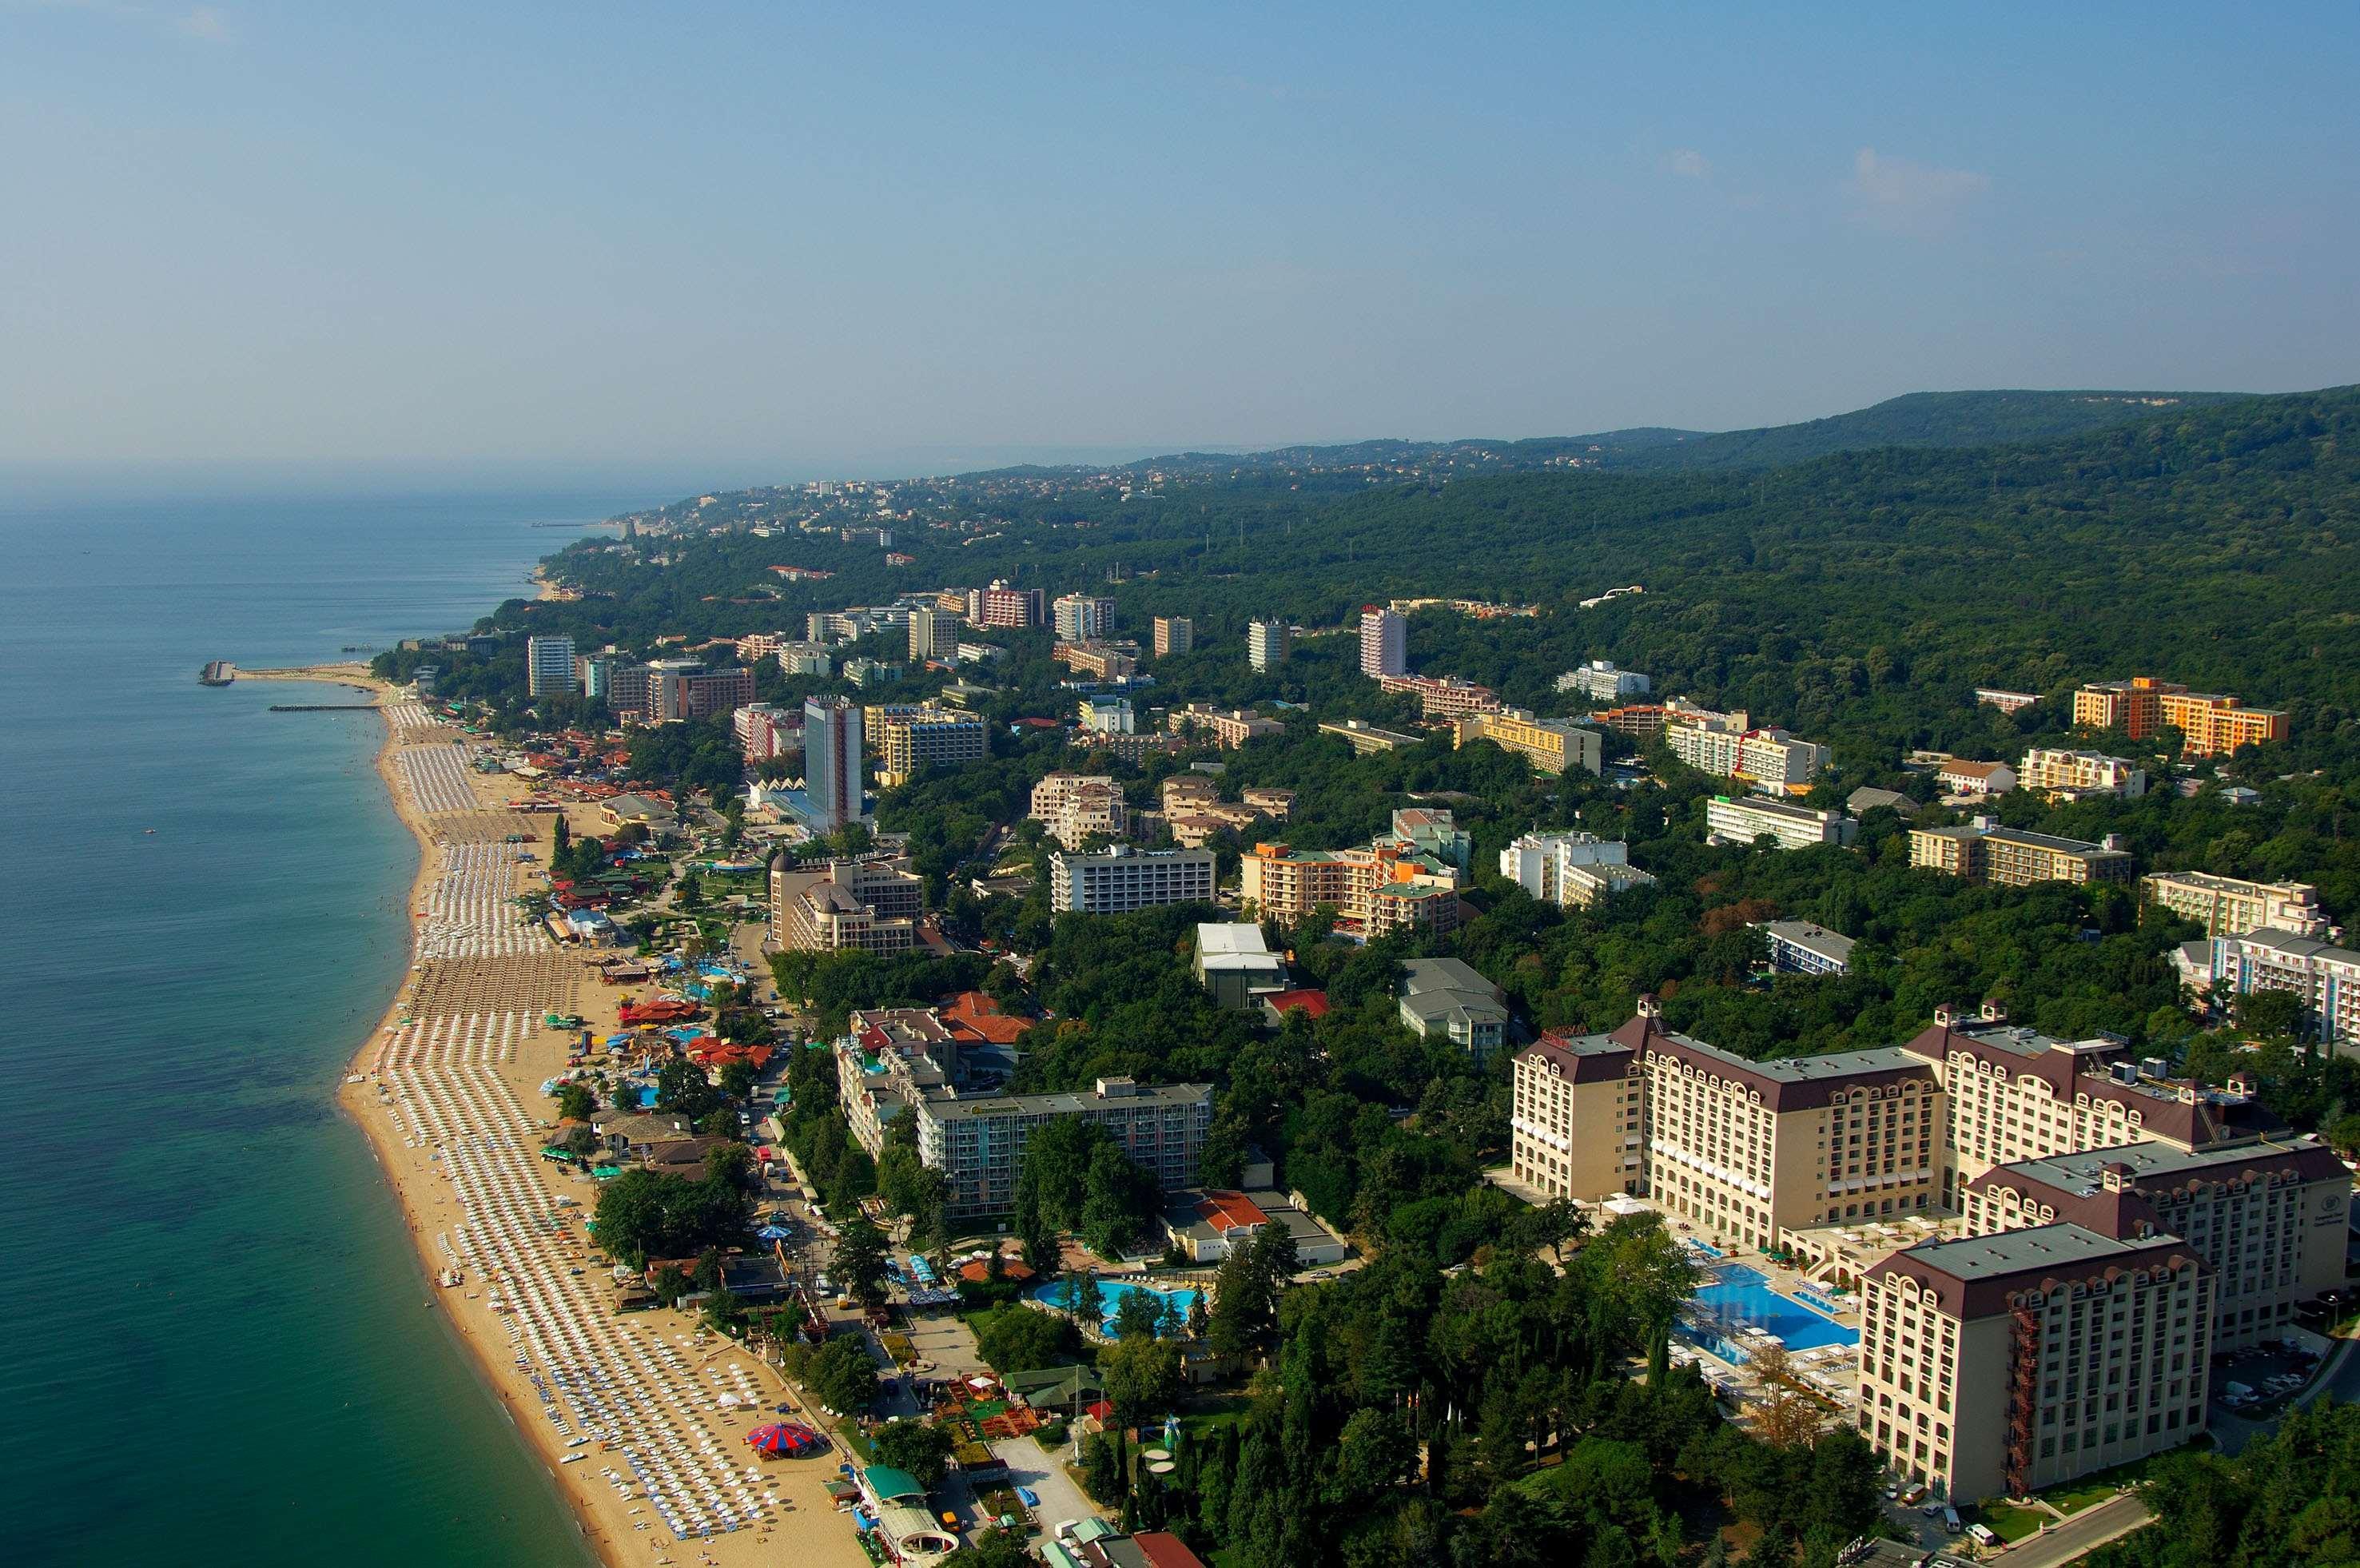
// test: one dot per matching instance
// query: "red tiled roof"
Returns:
(1312, 1002)
(973, 1014)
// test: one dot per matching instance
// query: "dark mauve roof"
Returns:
(1582, 1059)
(1974, 1277)
(2080, 1067)
(2075, 1185)
(1786, 1083)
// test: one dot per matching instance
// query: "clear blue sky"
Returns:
(787, 236)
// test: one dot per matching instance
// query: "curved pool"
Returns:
(1110, 1295)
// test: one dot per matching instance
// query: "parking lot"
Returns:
(2251, 1381)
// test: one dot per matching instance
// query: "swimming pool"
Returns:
(1740, 1297)
(1110, 1295)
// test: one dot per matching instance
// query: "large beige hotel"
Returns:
(2117, 1227)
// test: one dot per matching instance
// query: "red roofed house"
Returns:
(973, 1016)
(1162, 1550)
(1278, 1004)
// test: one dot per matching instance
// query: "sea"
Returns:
(216, 1345)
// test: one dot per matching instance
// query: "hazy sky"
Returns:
(796, 234)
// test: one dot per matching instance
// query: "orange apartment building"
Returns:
(2213, 724)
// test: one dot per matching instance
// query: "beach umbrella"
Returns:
(773, 1232)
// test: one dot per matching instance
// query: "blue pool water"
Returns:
(1110, 1295)
(1740, 1297)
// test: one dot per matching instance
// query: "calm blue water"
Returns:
(217, 1347)
(1741, 1297)
(1110, 1295)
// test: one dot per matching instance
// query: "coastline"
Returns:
(423, 1188)
(351, 1098)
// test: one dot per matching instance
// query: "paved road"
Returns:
(2085, 1532)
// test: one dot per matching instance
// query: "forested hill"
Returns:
(1858, 592)
(1917, 419)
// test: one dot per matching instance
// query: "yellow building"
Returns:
(1551, 744)
(2011, 858)
(908, 738)
(1742, 1151)
(1384, 886)
(2230, 906)
(2212, 723)
(2000, 1365)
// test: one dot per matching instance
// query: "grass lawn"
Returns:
(2072, 1499)
(848, 1433)
(2010, 1524)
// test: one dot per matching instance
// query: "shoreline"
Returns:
(430, 1207)
(351, 1099)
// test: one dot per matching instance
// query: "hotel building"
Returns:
(1266, 644)
(830, 762)
(1551, 745)
(1082, 617)
(2064, 775)
(1001, 606)
(1076, 807)
(1174, 634)
(2326, 979)
(1729, 821)
(1601, 683)
(934, 634)
(1229, 728)
(2011, 858)
(1802, 947)
(2210, 722)
(1742, 1151)
(870, 905)
(908, 739)
(1570, 869)
(1390, 885)
(1384, 642)
(549, 666)
(2227, 906)
(1366, 738)
(2004, 1364)
(978, 1143)
(2016, 1094)
(1771, 757)
(2270, 1219)
(1443, 696)
(1117, 880)
(765, 731)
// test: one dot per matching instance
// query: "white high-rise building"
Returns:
(1082, 617)
(549, 666)
(832, 762)
(1384, 642)
(934, 634)
(1266, 644)
(1570, 869)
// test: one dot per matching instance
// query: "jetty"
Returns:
(220, 672)
(323, 707)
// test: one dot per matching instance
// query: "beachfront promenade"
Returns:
(640, 1418)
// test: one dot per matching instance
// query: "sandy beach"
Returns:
(447, 1090)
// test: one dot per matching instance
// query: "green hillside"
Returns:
(1917, 419)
